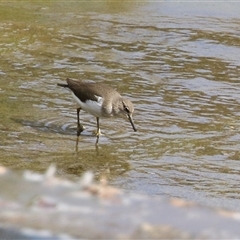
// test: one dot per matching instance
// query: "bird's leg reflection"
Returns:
(97, 139)
(77, 142)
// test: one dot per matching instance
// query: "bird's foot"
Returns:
(80, 128)
(98, 133)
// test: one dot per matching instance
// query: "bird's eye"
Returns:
(126, 109)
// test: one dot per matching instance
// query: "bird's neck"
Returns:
(117, 107)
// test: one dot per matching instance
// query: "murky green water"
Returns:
(178, 63)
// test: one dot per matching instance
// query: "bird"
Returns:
(100, 100)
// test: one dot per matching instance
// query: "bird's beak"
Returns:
(131, 121)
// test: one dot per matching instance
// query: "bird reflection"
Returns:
(77, 143)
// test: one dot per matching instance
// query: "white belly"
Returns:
(90, 106)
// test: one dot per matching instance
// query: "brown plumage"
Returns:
(99, 100)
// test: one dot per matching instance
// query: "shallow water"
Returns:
(177, 62)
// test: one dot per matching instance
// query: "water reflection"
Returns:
(101, 159)
(180, 71)
(77, 144)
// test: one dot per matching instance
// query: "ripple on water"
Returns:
(180, 70)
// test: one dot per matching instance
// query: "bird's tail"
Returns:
(62, 85)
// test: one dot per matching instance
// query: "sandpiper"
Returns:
(100, 100)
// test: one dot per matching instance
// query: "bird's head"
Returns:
(128, 110)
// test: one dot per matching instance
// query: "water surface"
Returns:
(177, 62)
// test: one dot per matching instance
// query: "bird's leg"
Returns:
(79, 126)
(98, 133)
